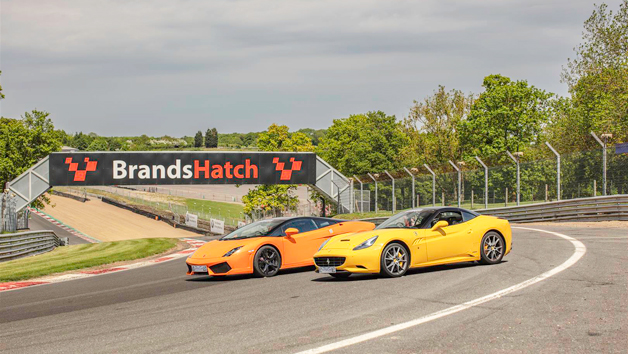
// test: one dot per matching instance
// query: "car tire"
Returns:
(267, 262)
(341, 275)
(395, 260)
(492, 248)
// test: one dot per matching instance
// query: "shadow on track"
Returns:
(410, 272)
(219, 278)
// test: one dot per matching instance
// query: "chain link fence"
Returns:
(10, 219)
(581, 175)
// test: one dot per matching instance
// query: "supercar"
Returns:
(264, 247)
(417, 238)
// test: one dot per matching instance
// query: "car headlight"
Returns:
(323, 244)
(232, 252)
(366, 244)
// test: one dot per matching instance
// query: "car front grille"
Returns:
(220, 268)
(329, 261)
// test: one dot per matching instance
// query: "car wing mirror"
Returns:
(439, 225)
(291, 231)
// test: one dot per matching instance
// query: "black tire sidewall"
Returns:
(256, 271)
(383, 270)
(484, 259)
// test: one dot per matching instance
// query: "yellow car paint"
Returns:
(450, 244)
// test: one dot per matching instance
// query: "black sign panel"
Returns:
(137, 168)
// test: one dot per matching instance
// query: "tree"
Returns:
(208, 138)
(508, 115)
(277, 138)
(198, 139)
(214, 138)
(598, 83)
(433, 127)
(276, 197)
(1, 94)
(363, 143)
(98, 144)
(25, 141)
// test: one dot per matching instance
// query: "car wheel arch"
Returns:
(273, 246)
(401, 243)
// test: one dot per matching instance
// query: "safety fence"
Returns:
(501, 181)
(11, 220)
(22, 244)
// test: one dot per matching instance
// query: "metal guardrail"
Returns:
(28, 243)
(613, 207)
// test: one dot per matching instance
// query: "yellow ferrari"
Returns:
(417, 238)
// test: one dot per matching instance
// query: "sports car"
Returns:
(264, 247)
(417, 238)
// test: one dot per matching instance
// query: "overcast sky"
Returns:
(122, 67)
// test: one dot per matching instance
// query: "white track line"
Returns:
(580, 250)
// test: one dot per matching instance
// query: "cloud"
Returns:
(174, 67)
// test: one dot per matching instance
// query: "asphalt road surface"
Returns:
(582, 309)
(37, 223)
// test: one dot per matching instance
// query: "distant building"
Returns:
(69, 149)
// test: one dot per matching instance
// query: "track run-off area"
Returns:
(561, 289)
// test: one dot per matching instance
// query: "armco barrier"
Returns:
(613, 207)
(29, 243)
(605, 208)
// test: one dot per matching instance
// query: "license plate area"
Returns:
(327, 270)
(199, 269)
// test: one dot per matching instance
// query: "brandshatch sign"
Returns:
(129, 168)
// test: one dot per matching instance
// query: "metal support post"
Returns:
(361, 194)
(516, 160)
(485, 182)
(459, 181)
(433, 184)
(394, 204)
(603, 144)
(413, 196)
(373, 178)
(557, 169)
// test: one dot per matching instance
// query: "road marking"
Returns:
(580, 250)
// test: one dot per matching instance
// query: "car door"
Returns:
(301, 247)
(450, 241)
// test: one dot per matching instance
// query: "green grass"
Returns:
(67, 258)
(207, 206)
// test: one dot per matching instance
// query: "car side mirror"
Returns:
(291, 231)
(439, 225)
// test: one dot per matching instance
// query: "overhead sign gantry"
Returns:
(165, 168)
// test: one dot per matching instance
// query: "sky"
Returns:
(163, 67)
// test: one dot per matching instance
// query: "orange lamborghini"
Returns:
(264, 247)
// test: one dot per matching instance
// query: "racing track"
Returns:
(159, 309)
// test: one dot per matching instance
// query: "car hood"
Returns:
(350, 241)
(217, 248)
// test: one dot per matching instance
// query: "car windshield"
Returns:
(406, 219)
(256, 229)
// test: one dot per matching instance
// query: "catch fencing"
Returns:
(499, 182)
(22, 244)
(10, 219)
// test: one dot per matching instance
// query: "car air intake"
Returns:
(329, 261)
(220, 268)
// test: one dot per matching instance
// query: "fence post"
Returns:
(433, 184)
(516, 160)
(459, 180)
(352, 197)
(373, 178)
(394, 201)
(472, 199)
(485, 182)
(594, 188)
(557, 170)
(413, 196)
(506, 197)
(603, 144)
(361, 194)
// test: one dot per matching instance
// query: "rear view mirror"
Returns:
(439, 225)
(291, 231)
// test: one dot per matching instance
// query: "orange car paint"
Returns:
(296, 250)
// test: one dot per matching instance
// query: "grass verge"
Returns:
(68, 258)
